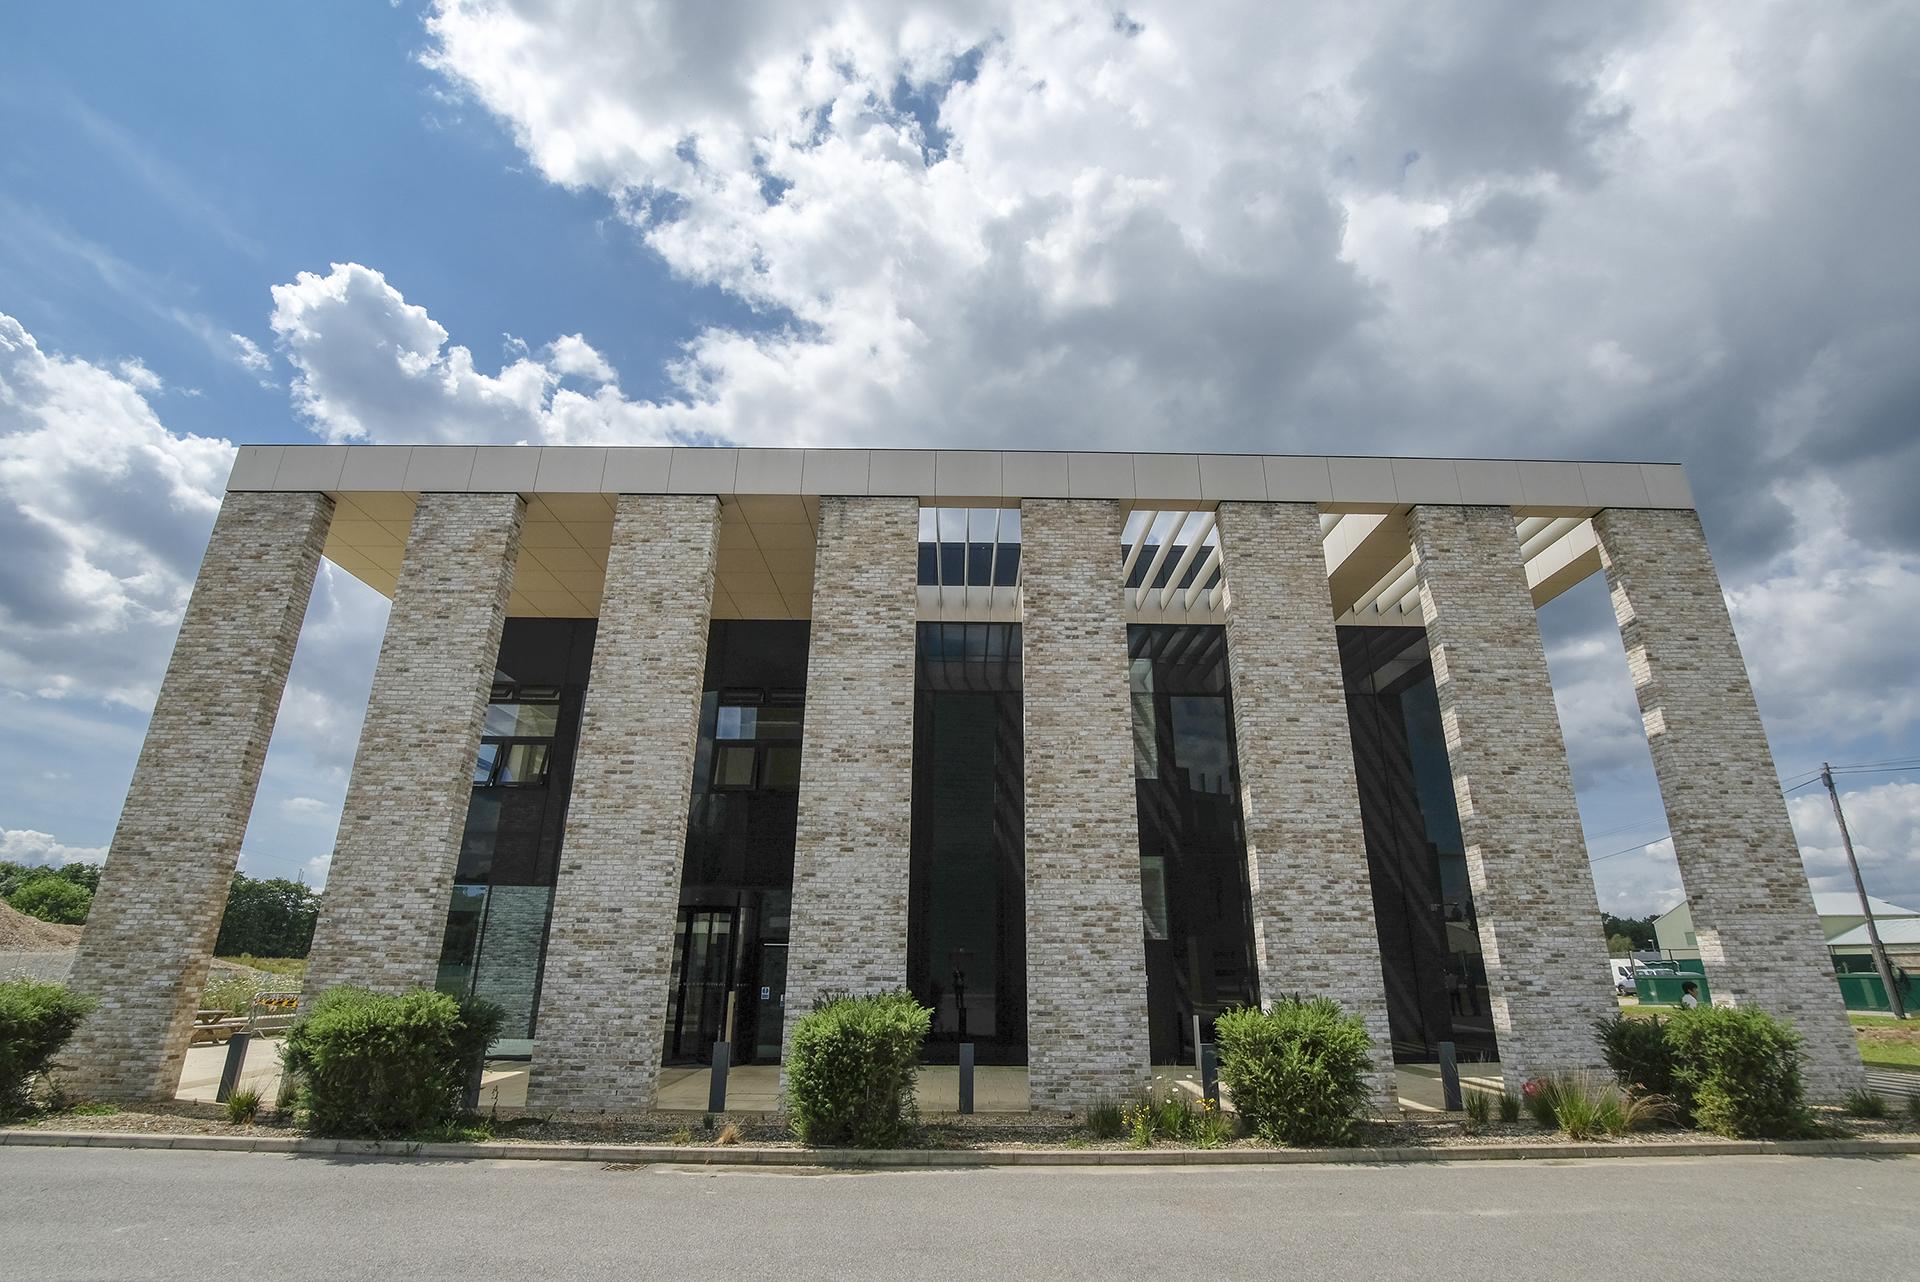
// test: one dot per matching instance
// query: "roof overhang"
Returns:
(769, 500)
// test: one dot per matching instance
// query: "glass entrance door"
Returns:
(701, 984)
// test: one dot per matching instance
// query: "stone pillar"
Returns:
(603, 999)
(1760, 939)
(1086, 951)
(849, 925)
(1313, 927)
(1539, 919)
(149, 938)
(384, 913)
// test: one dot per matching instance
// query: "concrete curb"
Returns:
(910, 1159)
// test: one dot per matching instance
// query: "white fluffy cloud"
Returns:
(104, 513)
(1884, 820)
(25, 846)
(1548, 228)
(372, 366)
(1827, 630)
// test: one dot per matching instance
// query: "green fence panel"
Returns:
(1866, 992)
(1664, 990)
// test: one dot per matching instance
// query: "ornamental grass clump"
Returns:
(382, 1064)
(1740, 1068)
(851, 1069)
(1176, 1119)
(1586, 1106)
(1297, 1071)
(36, 1019)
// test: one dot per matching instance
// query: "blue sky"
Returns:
(1516, 229)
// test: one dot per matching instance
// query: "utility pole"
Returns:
(1873, 932)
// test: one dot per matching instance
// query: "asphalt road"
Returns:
(101, 1213)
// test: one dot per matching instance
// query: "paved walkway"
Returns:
(753, 1088)
(104, 1213)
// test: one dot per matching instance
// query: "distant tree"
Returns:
(14, 875)
(1637, 929)
(267, 917)
(1619, 946)
(52, 898)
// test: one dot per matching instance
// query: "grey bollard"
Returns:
(1210, 1075)
(1450, 1079)
(236, 1059)
(470, 1094)
(966, 1077)
(717, 1083)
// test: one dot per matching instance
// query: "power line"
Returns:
(1630, 849)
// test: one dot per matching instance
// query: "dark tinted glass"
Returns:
(1196, 908)
(1423, 908)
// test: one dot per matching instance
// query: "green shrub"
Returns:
(1640, 1057)
(36, 1019)
(1297, 1071)
(1479, 1108)
(1106, 1119)
(1740, 1069)
(54, 899)
(851, 1069)
(1509, 1106)
(243, 1106)
(378, 1064)
(1864, 1104)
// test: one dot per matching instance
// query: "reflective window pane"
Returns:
(522, 720)
(782, 768)
(779, 723)
(525, 763)
(979, 564)
(733, 765)
(736, 723)
(484, 761)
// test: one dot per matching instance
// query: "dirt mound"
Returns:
(24, 934)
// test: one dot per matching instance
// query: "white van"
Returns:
(1623, 975)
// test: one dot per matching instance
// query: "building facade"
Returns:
(1081, 748)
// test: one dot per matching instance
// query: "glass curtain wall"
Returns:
(510, 851)
(1423, 907)
(966, 906)
(729, 964)
(1193, 853)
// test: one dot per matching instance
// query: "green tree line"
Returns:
(265, 917)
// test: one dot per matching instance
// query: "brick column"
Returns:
(851, 852)
(1760, 939)
(603, 999)
(150, 935)
(1086, 952)
(1539, 919)
(1313, 926)
(385, 910)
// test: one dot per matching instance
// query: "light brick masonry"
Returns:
(385, 909)
(604, 997)
(1547, 972)
(148, 940)
(856, 758)
(1760, 939)
(1313, 926)
(1086, 957)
